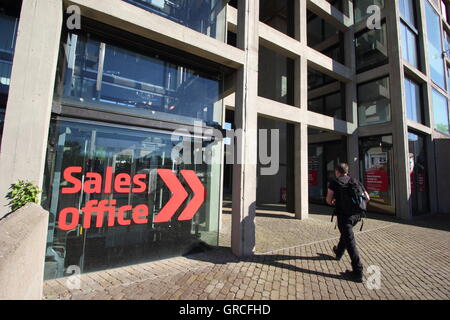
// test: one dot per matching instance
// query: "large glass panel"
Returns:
(116, 171)
(361, 6)
(435, 50)
(418, 174)
(114, 79)
(374, 102)
(329, 105)
(407, 11)
(322, 160)
(276, 76)
(279, 14)
(8, 27)
(377, 167)
(441, 112)
(206, 16)
(409, 45)
(371, 49)
(413, 101)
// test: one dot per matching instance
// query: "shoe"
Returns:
(338, 256)
(353, 276)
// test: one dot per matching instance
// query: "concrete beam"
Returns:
(329, 13)
(25, 134)
(138, 21)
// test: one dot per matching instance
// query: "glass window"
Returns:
(371, 49)
(279, 14)
(435, 50)
(361, 6)
(374, 102)
(202, 16)
(276, 76)
(407, 11)
(377, 168)
(440, 110)
(409, 45)
(111, 78)
(418, 174)
(90, 165)
(330, 105)
(413, 101)
(8, 25)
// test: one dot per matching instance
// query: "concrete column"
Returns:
(398, 111)
(246, 119)
(301, 129)
(351, 99)
(27, 119)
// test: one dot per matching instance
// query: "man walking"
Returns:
(350, 199)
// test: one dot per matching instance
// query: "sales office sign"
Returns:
(70, 218)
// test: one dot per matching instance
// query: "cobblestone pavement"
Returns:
(293, 261)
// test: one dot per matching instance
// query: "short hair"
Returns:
(342, 168)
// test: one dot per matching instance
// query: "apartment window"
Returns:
(413, 101)
(371, 49)
(140, 82)
(374, 102)
(441, 112)
(202, 16)
(361, 6)
(435, 49)
(409, 32)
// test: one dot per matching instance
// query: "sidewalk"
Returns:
(293, 261)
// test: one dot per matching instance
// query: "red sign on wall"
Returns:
(312, 178)
(377, 180)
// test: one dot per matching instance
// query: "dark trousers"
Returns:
(348, 242)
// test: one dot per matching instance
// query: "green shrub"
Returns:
(22, 193)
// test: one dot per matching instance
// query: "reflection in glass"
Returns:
(322, 160)
(413, 101)
(440, 110)
(203, 16)
(330, 105)
(409, 45)
(8, 27)
(376, 157)
(276, 76)
(111, 78)
(435, 50)
(418, 174)
(361, 6)
(97, 148)
(2, 121)
(371, 48)
(279, 14)
(374, 102)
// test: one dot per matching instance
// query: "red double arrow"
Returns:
(179, 195)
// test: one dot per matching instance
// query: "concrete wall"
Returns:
(22, 253)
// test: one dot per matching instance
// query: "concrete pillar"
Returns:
(351, 99)
(24, 141)
(246, 119)
(398, 112)
(301, 129)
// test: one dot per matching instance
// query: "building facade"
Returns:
(93, 90)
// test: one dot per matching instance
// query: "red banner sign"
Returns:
(377, 180)
(69, 218)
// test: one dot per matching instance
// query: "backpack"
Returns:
(351, 199)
